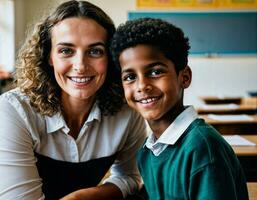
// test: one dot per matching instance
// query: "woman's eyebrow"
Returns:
(97, 44)
(91, 45)
(65, 44)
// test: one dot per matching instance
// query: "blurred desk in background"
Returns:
(220, 100)
(246, 150)
(252, 190)
(215, 100)
(233, 124)
(247, 155)
(227, 109)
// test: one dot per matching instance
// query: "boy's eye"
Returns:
(66, 51)
(155, 72)
(128, 77)
(96, 52)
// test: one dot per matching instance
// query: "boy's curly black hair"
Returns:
(159, 33)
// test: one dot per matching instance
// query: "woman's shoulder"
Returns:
(14, 95)
(128, 112)
(16, 100)
(126, 116)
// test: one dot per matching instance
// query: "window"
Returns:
(7, 35)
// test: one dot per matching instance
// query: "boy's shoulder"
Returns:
(200, 134)
(202, 140)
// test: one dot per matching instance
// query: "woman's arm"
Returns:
(124, 176)
(106, 191)
(18, 172)
(124, 171)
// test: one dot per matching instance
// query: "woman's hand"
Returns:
(4, 74)
(106, 191)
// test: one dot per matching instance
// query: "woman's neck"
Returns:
(76, 112)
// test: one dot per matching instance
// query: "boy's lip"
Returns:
(148, 99)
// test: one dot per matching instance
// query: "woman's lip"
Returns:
(77, 79)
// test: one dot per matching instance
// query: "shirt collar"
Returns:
(175, 130)
(57, 121)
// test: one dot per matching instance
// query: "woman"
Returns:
(66, 124)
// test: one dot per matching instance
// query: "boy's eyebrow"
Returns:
(126, 70)
(154, 64)
(148, 66)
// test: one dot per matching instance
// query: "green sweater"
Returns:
(200, 165)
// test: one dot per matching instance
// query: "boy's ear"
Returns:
(186, 75)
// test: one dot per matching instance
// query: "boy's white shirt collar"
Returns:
(173, 132)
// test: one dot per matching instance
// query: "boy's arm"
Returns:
(218, 182)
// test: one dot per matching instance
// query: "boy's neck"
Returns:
(160, 125)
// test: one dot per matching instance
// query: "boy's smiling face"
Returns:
(151, 84)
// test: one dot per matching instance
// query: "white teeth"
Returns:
(145, 101)
(80, 80)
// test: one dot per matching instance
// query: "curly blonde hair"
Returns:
(35, 77)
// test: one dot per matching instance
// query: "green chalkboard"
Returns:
(213, 33)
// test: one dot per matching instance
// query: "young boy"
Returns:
(183, 158)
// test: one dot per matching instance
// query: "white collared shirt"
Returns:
(173, 132)
(24, 131)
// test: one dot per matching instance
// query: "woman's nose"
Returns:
(80, 63)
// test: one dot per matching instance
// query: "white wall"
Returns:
(28, 12)
(116, 9)
(221, 76)
(227, 76)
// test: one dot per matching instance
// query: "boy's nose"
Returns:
(143, 85)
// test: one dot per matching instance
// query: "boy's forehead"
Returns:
(142, 51)
(143, 55)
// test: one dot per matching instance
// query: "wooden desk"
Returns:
(233, 127)
(220, 100)
(252, 190)
(247, 150)
(227, 109)
(247, 155)
(249, 101)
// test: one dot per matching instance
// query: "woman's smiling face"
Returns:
(79, 57)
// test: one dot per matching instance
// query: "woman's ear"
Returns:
(50, 61)
(186, 75)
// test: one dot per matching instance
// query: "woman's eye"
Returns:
(66, 51)
(96, 52)
(129, 77)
